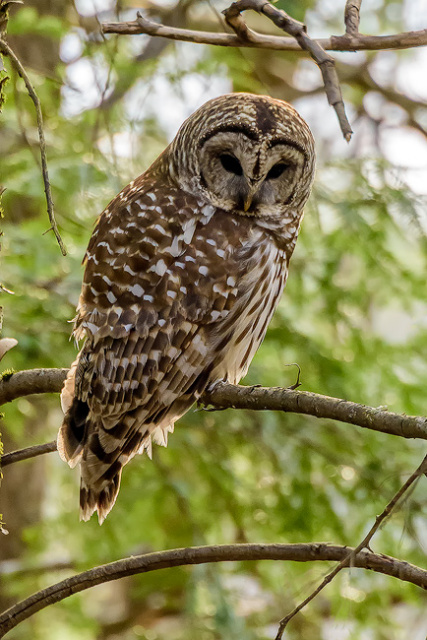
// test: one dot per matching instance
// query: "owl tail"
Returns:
(72, 434)
(99, 498)
(100, 480)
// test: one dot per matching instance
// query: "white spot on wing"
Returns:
(160, 267)
(137, 290)
(129, 270)
(105, 244)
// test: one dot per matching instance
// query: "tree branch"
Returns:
(348, 560)
(346, 42)
(27, 453)
(26, 383)
(352, 17)
(15, 62)
(201, 555)
(298, 30)
(228, 396)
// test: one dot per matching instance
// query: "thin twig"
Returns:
(6, 50)
(349, 559)
(352, 17)
(229, 396)
(298, 30)
(143, 26)
(27, 453)
(201, 555)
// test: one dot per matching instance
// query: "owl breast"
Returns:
(261, 287)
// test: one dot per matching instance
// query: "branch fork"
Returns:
(297, 30)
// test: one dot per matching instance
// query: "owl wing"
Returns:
(162, 288)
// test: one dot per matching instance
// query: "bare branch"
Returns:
(346, 42)
(27, 453)
(201, 555)
(352, 16)
(245, 37)
(298, 30)
(26, 383)
(6, 50)
(348, 560)
(230, 396)
(278, 399)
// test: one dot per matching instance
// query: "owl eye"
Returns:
(277, 170)
(231, 164)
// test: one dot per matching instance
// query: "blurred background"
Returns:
(353, 316)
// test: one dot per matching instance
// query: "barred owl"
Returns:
(183, 272)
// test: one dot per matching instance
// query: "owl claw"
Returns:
(297, 383)
(202, 407)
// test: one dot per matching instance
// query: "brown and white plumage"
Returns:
(183, 273)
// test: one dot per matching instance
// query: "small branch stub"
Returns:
(352, 17)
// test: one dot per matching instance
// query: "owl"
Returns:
(183, 272)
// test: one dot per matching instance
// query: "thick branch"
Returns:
(277, 399)
(200, 555)
(228, 396)
(25, 383)
(346, 42)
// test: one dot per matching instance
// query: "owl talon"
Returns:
(201, 407)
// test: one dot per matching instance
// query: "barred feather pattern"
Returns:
(177, 295)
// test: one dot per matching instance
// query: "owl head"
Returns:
(247, 154)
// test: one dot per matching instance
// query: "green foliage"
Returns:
(6, 374)
(28, 21)
(351, 316)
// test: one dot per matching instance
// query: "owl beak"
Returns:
(247, 202)
(249, 196)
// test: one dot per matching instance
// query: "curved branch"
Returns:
(200, 555)
(229, 396)
(7, 51)
(298, 30)
(226, 396)
(346, 42)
